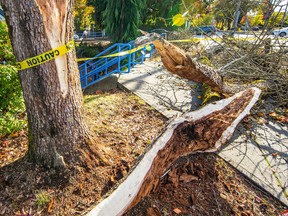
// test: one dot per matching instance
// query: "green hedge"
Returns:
(11, 98)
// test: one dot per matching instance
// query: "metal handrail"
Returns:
(100, 67)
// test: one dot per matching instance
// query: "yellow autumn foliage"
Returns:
(178, 20)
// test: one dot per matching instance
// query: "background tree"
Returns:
(58, 136)
(256, 19)
(83, 15)
(199, 11)
(158, 14)
(122, 19)
(11, 106)
(246, 6)
(271, 16)
(99, 8)
(224, 11)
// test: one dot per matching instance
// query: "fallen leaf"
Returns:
(246, 213)
(4, 210)
(5, 143)
(282, 119)
(173, 177)
(223, 196)
(177, 210)
(50, 206)
(38, 179)
(188, 178)
(13, 135)
(279, 118)
(227, 186)
(21, 133)
(248, 126)
(258, 199)
(272, 114)
(261, 114)
(275, 154)
(153, 212)
(98, 92)
(262, 121)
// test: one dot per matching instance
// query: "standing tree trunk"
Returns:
(58, 136)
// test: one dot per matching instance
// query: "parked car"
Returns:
(206, 30)
(281, 32)
(255, 28)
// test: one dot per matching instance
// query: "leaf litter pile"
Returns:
(126, 125)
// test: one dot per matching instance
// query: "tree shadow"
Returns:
(258, 150)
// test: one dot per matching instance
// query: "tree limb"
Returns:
(204, 130)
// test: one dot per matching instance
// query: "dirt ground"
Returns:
(194, 185)
(205, 184)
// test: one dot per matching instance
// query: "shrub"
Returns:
(84, 50)
(11, 105)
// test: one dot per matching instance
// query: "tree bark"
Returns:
(181, 63)
(204, 130)
(178, 62)
(58, 136)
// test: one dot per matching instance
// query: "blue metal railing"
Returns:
(91, 34)
(1, 12)
(139, 56)
(100, 67)
(1, 15)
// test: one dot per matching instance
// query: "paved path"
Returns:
(167, 93)
(263, 159)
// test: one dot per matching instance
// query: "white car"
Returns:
(281, 32)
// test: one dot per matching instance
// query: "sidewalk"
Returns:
(263, 159)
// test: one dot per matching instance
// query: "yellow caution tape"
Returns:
(45, 57)
(62, 50)
(123, 53)
(187, 40)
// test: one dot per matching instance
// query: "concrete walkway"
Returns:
(164, 91)
(264, 159)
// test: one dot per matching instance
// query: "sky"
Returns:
(284, 2)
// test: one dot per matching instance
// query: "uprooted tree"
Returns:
(58, 136)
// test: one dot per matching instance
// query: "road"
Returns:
(218, 38)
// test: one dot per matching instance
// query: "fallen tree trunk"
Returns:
(204, 130)
(177, 61)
